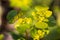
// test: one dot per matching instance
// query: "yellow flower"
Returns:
(18, 22)
(41, 19)
(41, 34)
(46, 31)
(34, 15)
(39, 31)
(36, 37)
(48, 14)
(43, 11)
(28, 20)
(17, 17)
(40, 13)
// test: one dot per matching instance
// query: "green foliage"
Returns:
(41, 25)
(42, 2)
(11, 14)
(52, 21)
(22, 28)
(1, 36)
(53, 35)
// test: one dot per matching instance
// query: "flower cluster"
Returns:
(22, 21)
(40, 34)
(41, 15)
(39, 18)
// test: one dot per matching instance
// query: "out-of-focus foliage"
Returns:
(42, 2)
(57, 13)
(1, 36)
(23, 4)
(56, 9)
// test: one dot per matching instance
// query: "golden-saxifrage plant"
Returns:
(35, 20)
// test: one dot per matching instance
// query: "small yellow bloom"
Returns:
(46, 31)
(36, 37)
(18, 22)
(41, 33)
(41, 19)
(48, 14)
(40, 13)
(43, 11)
(28, 20)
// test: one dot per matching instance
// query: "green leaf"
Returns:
(33, 32)
(52, 21)
(41, 25)
(23, 27)
(11, 14)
